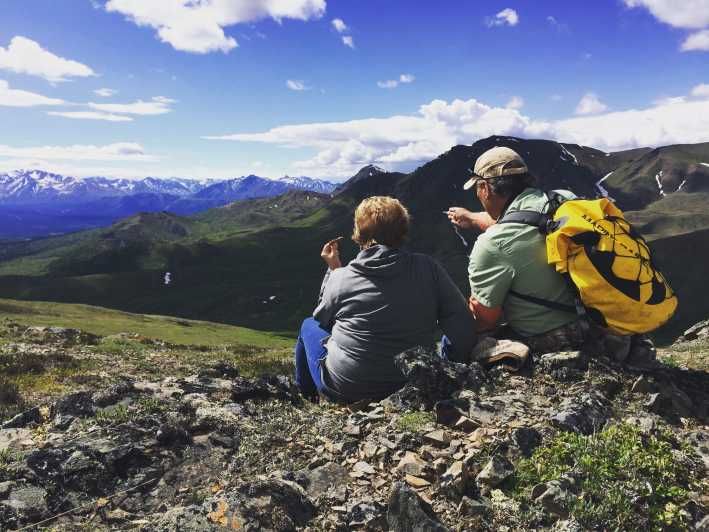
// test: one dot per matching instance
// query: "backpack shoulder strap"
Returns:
(533, 218)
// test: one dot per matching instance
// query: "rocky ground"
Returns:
(570, 443)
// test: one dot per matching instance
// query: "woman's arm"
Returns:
(324, 313)
(454, 317)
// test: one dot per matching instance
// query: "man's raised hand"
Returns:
(465, 219)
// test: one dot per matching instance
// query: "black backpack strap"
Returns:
(533, 218)
(544, 302)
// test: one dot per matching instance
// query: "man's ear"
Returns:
(485, 189)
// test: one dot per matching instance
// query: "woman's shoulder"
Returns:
(424, 260)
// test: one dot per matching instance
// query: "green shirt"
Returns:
(513, 257)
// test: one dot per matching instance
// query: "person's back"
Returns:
(511, 258)
(384, 302)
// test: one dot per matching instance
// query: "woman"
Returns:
(383, 302)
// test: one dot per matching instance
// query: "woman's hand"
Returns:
(465, 219)
(331, 253)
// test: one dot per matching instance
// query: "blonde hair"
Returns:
(380, 220)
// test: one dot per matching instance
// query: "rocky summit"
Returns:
(568, 443)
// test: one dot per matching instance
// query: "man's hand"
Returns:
(465, 219)
(331, 253)
(486, 318)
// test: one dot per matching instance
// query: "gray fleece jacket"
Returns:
(383, 302)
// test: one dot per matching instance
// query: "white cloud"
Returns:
(25, 56)
(698, 41)
(19, 98)
(506, 17)
(119, 151)
(388, 84)
(556, 97)
(198, 26)
(394, 83)
(105, 93)
(347, 40)
(158, 105)
(396, 142)
(402, 142)
(339, 25)
(91, 115)
(297, 85)
(701, 90)
(687, 14)
(516, 102)
(590, 105)
(691, 14)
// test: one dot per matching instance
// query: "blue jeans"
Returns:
(310, 353)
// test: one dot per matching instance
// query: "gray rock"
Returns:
(15, 439)
(221, 418)
(409, 513)
(568, 525)
(495, 472)
(5, 488)
(670, 402)
(23, 419)
(270, 504)
(184, 519)
(526, 439)
(584, 415)
(321, 480)
(367, 514)
(555, 498)
(646, 424)
(113, 394)
(59, 335)
(454, 481)
(432, 379)
(471, 507)
(169, 434)
(703, 525)
(697, 331)
(28, 503)
(83, 473)
(699, 440)
(79, 404)
(563, 359)
(448, 412)
(643, 385)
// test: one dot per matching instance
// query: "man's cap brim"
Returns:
(470, 183)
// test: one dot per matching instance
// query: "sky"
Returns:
(224, 88)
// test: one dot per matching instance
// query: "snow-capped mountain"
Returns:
(253, 186)
(43, 202)
(308, 183)
(38, 186)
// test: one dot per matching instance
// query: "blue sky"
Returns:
(221, 88)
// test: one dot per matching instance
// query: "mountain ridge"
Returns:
(239, 256)
(38, 203)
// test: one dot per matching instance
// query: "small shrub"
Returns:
(627, 480)
(114, 416)
(414, 421)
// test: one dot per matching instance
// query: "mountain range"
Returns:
(256, 262)
(38, 203)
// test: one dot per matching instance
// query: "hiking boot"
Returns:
(617, 347)
(642, 352)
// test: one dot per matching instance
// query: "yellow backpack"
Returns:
(606, 259)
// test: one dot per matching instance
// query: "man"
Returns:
(508, 267)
